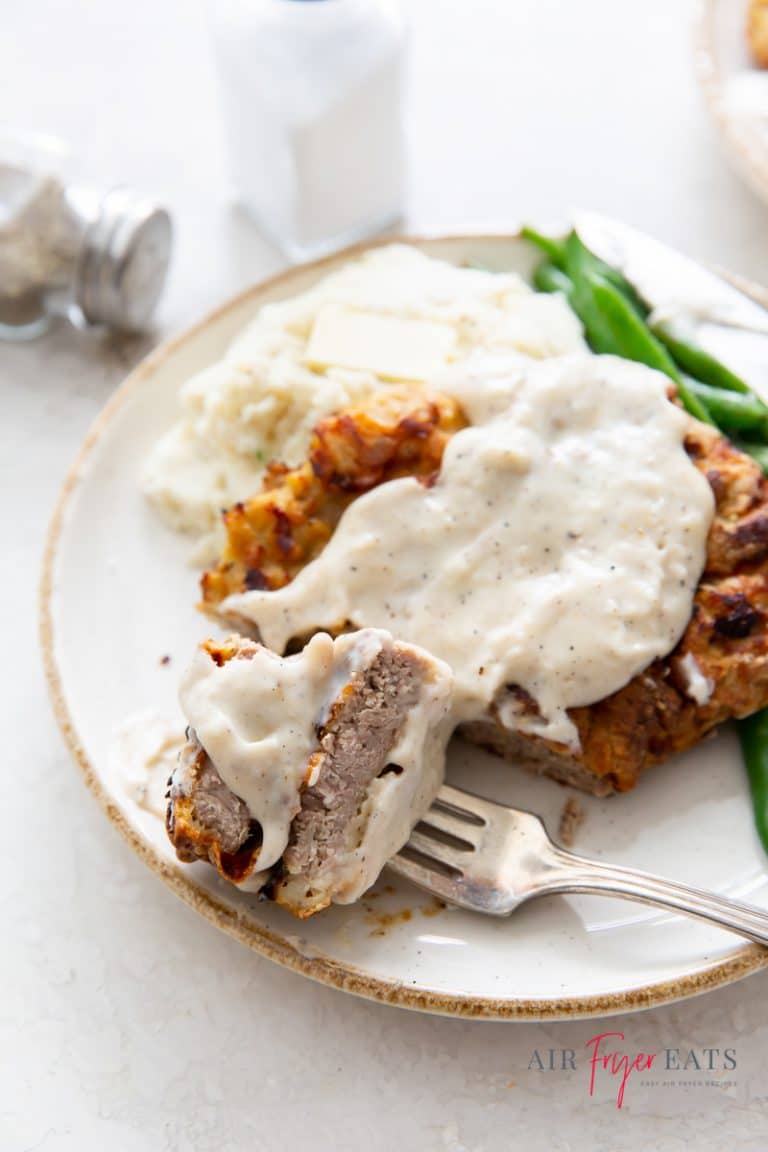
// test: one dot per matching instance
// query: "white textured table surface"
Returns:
(126, 1022)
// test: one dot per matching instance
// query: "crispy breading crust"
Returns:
(206, 821)
(272, 536)
(651, 718)
(757, 31)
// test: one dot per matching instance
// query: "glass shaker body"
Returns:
(311, 92)
(38, 236)
(98, 257)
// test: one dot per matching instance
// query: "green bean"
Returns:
(558, 251)
(753, 735)
(614, 315)
(631, 339)
(695, 360)
(548, 277)
(636, 342)
(614, 318)
(622, 285)
(627, 290)
(582, 266)
(732, 411)
(578, 255)
(631, 336)
(598, 330)
(552, 248)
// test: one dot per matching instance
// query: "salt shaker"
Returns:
(98, 257)
(312, 99)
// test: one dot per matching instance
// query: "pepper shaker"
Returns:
(98, 257)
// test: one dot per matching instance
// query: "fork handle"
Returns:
(572, 873)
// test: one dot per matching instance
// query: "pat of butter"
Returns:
(391, 348)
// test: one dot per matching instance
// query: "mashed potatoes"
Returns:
(262, 401)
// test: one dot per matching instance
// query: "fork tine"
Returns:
(436, 850)
(445, 820)
(424, 877)
(467, 806)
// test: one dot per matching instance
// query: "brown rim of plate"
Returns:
(752, 158)
(749, 958)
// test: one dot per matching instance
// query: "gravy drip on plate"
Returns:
(558, 552)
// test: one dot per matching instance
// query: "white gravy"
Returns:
(257, 719)
(558, 551)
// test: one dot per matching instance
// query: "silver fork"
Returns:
(490, 858)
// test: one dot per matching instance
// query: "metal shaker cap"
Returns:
(123, 262)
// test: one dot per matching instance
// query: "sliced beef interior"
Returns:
(355, 743)
(207, 821)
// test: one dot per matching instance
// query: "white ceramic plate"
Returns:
(118, 594)
(736, 89)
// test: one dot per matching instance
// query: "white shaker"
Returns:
(312, 100)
